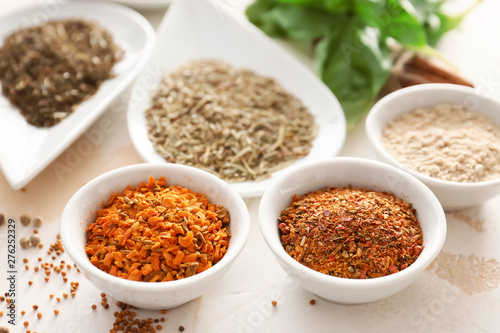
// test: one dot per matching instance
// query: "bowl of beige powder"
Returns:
(448, 136)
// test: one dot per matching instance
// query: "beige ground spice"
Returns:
(446, 142)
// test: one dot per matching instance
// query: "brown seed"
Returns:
(34, 240)
(37, 222)
(56, 312)
(26, 323)
(181, 328)
(312, 302)
(39, 315)
(25, 260)
(30, 282)
(274, 303)
(94, 306)
(24, 242)
(25, 219)
(35, 307)
(23, 312)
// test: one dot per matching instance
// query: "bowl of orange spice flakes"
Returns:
(352, 230)
(155, 236)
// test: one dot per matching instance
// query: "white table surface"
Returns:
(458, 293)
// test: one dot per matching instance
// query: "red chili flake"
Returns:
(351, 233)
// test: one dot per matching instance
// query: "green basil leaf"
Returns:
(305, 24)
(393, 20)
(354, 62)
(436, 23)
(258, 14)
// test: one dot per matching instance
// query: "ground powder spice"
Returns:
(447, 142)
(156, 232)
(351, 233)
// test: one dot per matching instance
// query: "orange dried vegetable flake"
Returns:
(157, 233)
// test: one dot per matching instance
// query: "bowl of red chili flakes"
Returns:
(155, 236)
(352, 230)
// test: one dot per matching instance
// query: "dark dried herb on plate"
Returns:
(47, 70)
(229, 121)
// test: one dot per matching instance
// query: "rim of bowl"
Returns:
(407, 273)
(378, 108)
(84, 263)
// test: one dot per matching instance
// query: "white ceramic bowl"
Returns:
(361, 173)
(83, 206)
(452, 195)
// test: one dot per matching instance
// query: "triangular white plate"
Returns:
(195, 29)
(26, 150)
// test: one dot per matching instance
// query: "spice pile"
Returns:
(47, 70)
(231, 122)
(446, 142)
(351, 233)
(157, 233)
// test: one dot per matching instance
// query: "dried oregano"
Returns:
(47, 70)
(229, 121)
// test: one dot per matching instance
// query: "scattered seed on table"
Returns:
(34, 240)
(37, 222)
(56, 312)
(274, 303)
(181, 328)
(39, 315)
(25, 219)
(24, 242)
(312, 302)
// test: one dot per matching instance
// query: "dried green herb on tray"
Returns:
(351, 233)
(351, 39)
(47, 70)
(228, 121)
